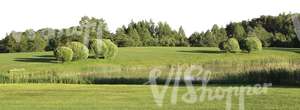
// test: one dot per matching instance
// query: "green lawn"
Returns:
(138, 62)
(134, 63)
(128, 97)
(144, 57)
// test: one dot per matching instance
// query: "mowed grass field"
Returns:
(134, 63)
(147, 57)
(129, 97)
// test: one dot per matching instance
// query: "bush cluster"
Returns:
(230, 45)
(98, 47)
(112, 49)
(103, 48)
(252, 44)
(80, 51)
(249, 44)
(64, 54)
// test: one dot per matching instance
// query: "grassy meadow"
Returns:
(136, 63)
(132, 66)
(128, 97)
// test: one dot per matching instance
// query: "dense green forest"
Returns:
(273, 31)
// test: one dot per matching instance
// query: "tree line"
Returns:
(147, 33)
(273, 31)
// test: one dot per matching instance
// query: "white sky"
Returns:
(193, 15)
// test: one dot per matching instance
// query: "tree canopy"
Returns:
(272, 31)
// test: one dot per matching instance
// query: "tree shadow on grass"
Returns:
(202, 51)
(46, 56)
(93, 57)
(295, 50)
(38, 59)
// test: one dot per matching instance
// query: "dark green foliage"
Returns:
(10, 44)
(80, 51)
(64, 54)
(196, 39)
(230, 45)
(2, 46)
(265, 28)
(134, 35)
(280, 40)
(99, 47)
(144, 33)
(210, 38)
(122, 40)
(222, 45)
(27, 41)
(263, 35)
(238, 32)
(37, 44)
(164, 34)
(273, 31)
(181, 38)
(24, 44)
(252, 43)
(52, 44)
(281, 24)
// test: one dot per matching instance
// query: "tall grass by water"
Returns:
(274, 76)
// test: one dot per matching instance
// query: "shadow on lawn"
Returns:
(202, 51)
(38, 59)
(47, 56)
(295, 50)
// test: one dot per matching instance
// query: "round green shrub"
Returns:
(64, 54)
(112, 49)
(98, 47)
(252, 44)
(80, 51)
(231, 45)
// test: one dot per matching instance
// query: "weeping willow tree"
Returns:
(103, 48)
